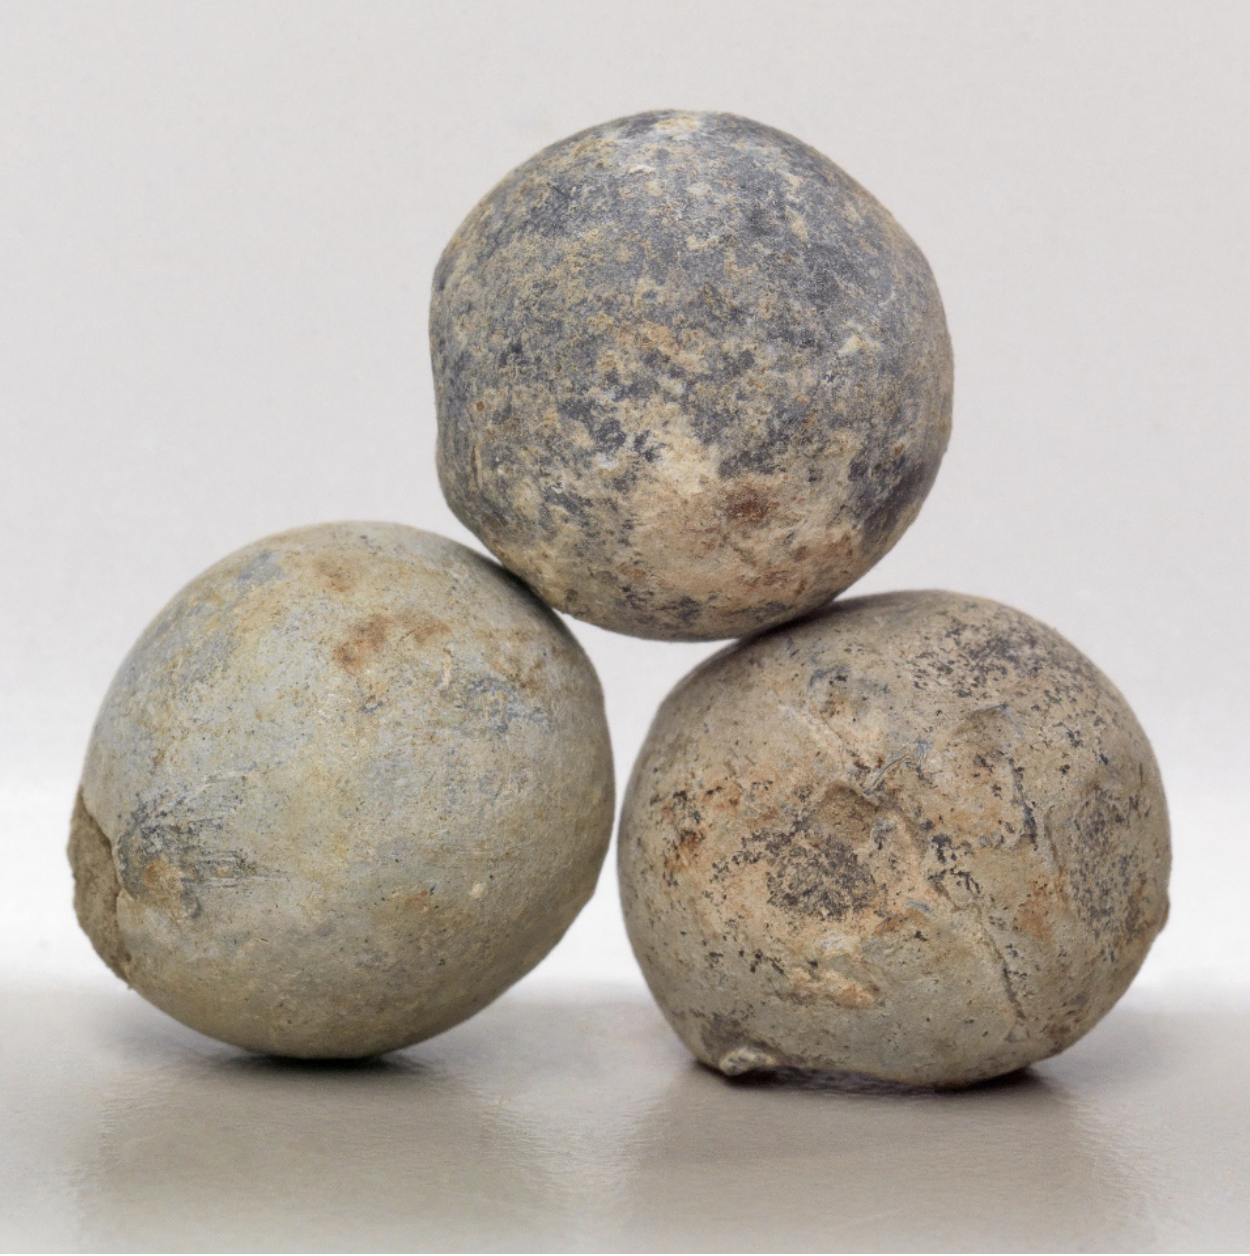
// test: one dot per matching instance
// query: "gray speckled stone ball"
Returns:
(349, 785)
(692, 379)
(918, 837)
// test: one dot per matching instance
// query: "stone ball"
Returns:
(917, 837)
(692, 379)
(348, 786)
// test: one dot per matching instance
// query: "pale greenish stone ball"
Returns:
(349, 785)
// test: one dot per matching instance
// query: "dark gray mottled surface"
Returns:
(691, 378)
(918, 836)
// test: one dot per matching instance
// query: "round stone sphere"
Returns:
(917, 837)
(349, 785)
(692, 379)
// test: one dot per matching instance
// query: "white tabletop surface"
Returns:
(574, 1120)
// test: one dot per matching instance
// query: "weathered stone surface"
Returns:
(692, 379)
(349, 785)
(918, 837)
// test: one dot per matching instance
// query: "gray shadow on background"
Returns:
(548, 1124)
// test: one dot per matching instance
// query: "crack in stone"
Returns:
(987, 936)
(96, 888)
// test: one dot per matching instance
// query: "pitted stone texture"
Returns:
(349, 785)
(918, 837)
(692, 379)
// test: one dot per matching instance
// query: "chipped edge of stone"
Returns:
(96, 887)
(740, 1060)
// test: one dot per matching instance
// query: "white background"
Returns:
(218, 224)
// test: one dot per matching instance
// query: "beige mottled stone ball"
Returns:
(692, 380)
(918, 837)
(349, 785)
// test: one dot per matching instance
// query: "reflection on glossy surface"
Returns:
(580, 1123)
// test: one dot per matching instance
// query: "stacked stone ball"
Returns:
(348, 786)
(918, 836)
(692, 382)
(692, 379)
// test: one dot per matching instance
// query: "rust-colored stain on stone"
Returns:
(368, 636)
